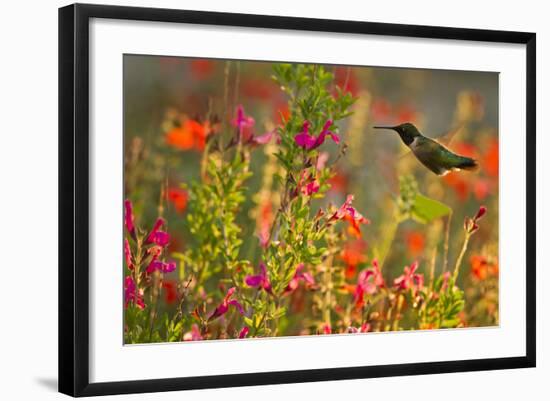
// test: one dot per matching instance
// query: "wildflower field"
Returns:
(260, 201)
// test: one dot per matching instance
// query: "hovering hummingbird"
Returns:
(430, 153)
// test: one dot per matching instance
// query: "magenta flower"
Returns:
(132, 293)
(308, 142)
(193, 335)
(410, 279)
(244, 332)
(228, 300)
(156, 235)
(161, 238)
(242, 121)
(129, 218)
(470, 224)
(365, 327)
(163, 267)
(128, 255)
(299, 275)
(261, 280)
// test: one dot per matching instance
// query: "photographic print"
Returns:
(269, 199)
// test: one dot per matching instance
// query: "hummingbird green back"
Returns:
(436, 157)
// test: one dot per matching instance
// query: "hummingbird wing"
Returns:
(444, 139)
(438, 158)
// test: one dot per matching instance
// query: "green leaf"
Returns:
(425, 210)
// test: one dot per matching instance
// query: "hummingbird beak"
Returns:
(379, 127)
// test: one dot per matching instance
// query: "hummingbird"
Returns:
(430, 153)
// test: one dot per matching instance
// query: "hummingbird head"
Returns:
(406, 131)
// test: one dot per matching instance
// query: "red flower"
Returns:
(179, 198)
(470, 224)
(170, 291)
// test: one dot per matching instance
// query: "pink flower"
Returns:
(298, 276)
(367, 286)
(350, 214)
(163, 267)
(326, 328)
(244, 332)
(410, 279)
(308, 142)
(132, 293)
(129, 218)
(261, 280)
(308, 184)
(322, 160)
(446, 277)
(156, 236)
(228, 300)
(242, 121)
(262, 139)
(128, 255)
(365, 327)
(193, 335)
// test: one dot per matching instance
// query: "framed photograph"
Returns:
(251, 199)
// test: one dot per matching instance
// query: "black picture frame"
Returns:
(74, 198)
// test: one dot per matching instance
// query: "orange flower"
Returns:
(481, 189)
(415, 242)
(352, 255)
(481, 268)
(338, 182)
(490, 160)
(201, 68)
(456, 181)
(191, 134)
(179, 198)
(258, 88)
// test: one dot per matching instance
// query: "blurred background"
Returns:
(167, 99)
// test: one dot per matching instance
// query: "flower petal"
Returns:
(237, 305)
